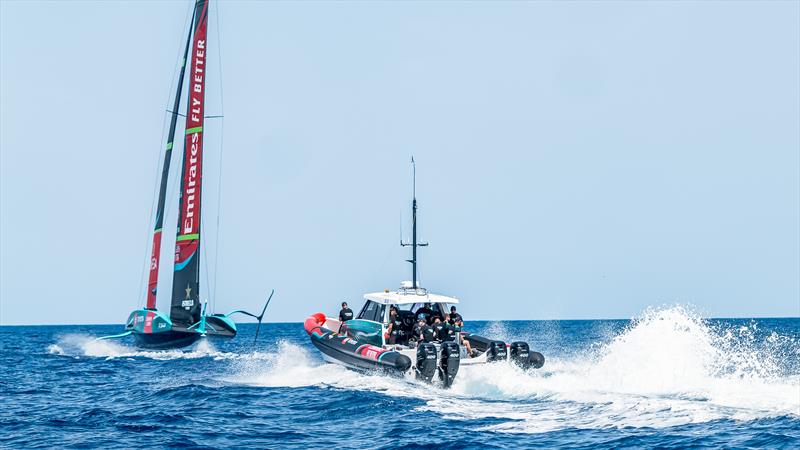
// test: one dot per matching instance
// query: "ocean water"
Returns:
(666, 379)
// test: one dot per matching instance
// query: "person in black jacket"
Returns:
(446, 332)
(397, 334)
(423, 332)
(440, 329)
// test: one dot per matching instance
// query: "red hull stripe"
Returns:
(148, 322)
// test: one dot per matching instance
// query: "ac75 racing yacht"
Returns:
(364, 343)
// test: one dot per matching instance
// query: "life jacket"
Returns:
(428, 334)
(440, 329)
(397, 325)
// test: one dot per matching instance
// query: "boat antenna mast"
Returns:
(414, 243)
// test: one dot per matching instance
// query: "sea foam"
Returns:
(668, 367)
(80, 345)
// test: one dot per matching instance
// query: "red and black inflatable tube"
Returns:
(351, 352)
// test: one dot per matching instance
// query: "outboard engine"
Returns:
(496, 351)
(449, 360)
(536, 360)
(426, 362)
(520, 354)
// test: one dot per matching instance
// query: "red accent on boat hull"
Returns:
(314, 323)
(350, 352)
(148, 322)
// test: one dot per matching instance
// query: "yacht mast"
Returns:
(414, 244)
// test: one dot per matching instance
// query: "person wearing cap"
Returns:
(425, 313)
(423, 332)
(395, 332)
(454, 316)
(345, 314)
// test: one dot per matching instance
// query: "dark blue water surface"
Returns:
(668, 379)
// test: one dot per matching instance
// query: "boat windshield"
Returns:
(440, 308)
(364, 331)
(372, 311)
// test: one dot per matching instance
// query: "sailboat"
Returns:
(186, 321)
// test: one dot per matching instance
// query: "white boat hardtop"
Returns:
(408, 295)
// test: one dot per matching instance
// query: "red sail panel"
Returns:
(155, 255)
(185, 299)
(152, 282)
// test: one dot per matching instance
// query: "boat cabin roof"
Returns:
(408, 296)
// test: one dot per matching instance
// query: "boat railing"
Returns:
(413, 291)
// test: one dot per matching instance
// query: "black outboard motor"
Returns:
(496, 351)
(536, 360)
(450, 358)
(520, 354)
(426, 361)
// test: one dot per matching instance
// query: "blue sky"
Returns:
(575, 159)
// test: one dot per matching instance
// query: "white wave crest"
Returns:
(667, 368)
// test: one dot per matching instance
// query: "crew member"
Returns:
(395, 329)
(448, 331)
(418, 329)
(425, 313)
(457, 330)
(345, 314)
(423, 332)
(439, 329)
(454, 316)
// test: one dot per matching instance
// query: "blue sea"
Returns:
(667, 379)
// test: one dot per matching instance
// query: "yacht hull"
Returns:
(166, 340)
(154, 330)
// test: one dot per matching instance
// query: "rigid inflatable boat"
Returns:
(363, 343)
(366, 342)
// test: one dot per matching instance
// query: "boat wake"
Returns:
(80, 345)
(294, 366)
(667, 368)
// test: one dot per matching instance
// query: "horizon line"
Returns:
(473, 320)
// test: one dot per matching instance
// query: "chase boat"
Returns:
(363, 343)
